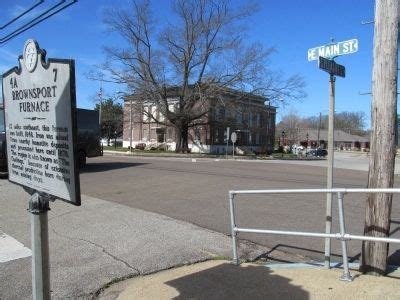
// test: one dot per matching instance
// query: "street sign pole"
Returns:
(325, 55)
(227, 142)
(328, 222)
(38, 207)
(233, 139)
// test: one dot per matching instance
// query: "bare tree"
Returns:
(200, 54)
(350, 122)
(291, 124)
(383, 148)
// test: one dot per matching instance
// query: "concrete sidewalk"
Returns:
(222, 280)
(102, 242)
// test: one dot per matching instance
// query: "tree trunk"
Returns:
(182, 139)
(383, 150)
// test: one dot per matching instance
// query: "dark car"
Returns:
(318, 152)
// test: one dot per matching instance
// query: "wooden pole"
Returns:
(383, 144)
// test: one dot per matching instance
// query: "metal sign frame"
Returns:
(75, 195)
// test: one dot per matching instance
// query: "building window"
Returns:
(197, 135)
(161, 116)
(239, 117)
(250, 119)
(221, 113)
(146, 114)
(145, 135)
(154, 112)
(216, 135)
(226, 137)
(170, 135)
(258, 120)
(160, 135)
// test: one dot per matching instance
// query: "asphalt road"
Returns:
(197, 192)
(115, 234)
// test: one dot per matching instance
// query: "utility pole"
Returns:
(383, 148)
(100, 94)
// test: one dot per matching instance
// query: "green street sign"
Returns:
(331, 67)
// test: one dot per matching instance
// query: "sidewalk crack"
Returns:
(101, 247)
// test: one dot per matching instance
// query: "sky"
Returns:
(290, 26)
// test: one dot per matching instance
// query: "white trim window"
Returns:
(154, 112)
(145, 114)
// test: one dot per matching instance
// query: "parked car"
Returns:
(140, 146)
(318, 152)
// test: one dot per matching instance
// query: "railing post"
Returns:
(233, 226)
(346, 274)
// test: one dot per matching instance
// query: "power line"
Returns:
(22, 14)
(36, 20)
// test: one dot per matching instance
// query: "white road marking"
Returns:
(11, 249)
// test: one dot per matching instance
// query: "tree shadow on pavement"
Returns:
(94, 167)
(227, 281)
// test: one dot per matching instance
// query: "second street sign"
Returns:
(331, 67)
(333, 50)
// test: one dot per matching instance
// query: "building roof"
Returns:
(339, 136)
(174, 91)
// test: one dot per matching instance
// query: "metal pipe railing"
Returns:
(342, 235)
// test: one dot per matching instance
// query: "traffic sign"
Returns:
(233, 137)
(331, 67)
(332, 50)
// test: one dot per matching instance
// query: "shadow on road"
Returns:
(227, 281)
(108, 166)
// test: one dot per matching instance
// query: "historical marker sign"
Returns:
(331, 67)
(40, 113)
(333, 50)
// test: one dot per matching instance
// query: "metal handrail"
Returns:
(342, 235)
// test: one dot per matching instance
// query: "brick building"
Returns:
(314, 138)
(245, 113)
